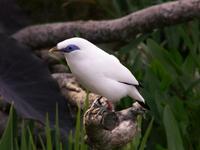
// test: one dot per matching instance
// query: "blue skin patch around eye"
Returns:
(70, 48)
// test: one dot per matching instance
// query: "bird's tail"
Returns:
(134, 93)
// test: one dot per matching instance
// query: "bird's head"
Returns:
(73, 47)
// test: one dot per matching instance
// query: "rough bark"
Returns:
(122, 29)
(72, 90)
(109, 129)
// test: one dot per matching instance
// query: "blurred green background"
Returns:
(166, 62)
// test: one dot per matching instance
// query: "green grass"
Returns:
(26, 140)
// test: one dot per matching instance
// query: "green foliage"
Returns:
(168, 68)
(27, 140)
(166, 63)
(7, 140)
(146, 135)
(173, 134)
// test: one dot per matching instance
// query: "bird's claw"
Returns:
(102, 105)
(97, 103)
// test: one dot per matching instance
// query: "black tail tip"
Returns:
(144, 105)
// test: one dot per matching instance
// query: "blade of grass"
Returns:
(136, 141)
(83, 146)
(48, 134)
(23, 137)
(61, 145)
(70, 141)
(42, 142)
(174, 139)
(77, 132)
(7, 141)
(57, 131)
(16, 144)
(146, 135)
(31, 141)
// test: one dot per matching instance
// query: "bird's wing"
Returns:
(115, 70)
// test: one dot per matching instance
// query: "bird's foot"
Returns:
(97, 103)
(101, 115)
(103, 105)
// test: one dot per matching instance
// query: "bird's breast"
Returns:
(90, 74)
(84, 72)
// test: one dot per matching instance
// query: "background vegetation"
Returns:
(166, 62)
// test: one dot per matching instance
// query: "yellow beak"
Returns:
(54, 49)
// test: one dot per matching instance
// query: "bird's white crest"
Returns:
(99, 71)
(82, 43)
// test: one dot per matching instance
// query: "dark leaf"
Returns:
(26, 81)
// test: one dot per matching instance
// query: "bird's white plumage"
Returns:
(99, 71)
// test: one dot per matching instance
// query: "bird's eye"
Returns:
(71, 48)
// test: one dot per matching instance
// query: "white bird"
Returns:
(98, 71)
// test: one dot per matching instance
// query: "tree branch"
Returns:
(142, 21)
(105, 129)
(72, 90)
(108, 129)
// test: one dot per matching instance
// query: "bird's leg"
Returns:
(99, 104)
(103, 105)
(110, 106)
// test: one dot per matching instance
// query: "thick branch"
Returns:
(111, 130)
(72, 90)
(123, 28)
(105, 128)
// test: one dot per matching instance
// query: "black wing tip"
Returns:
(144, 105)
(128, 83)
(138, 86)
